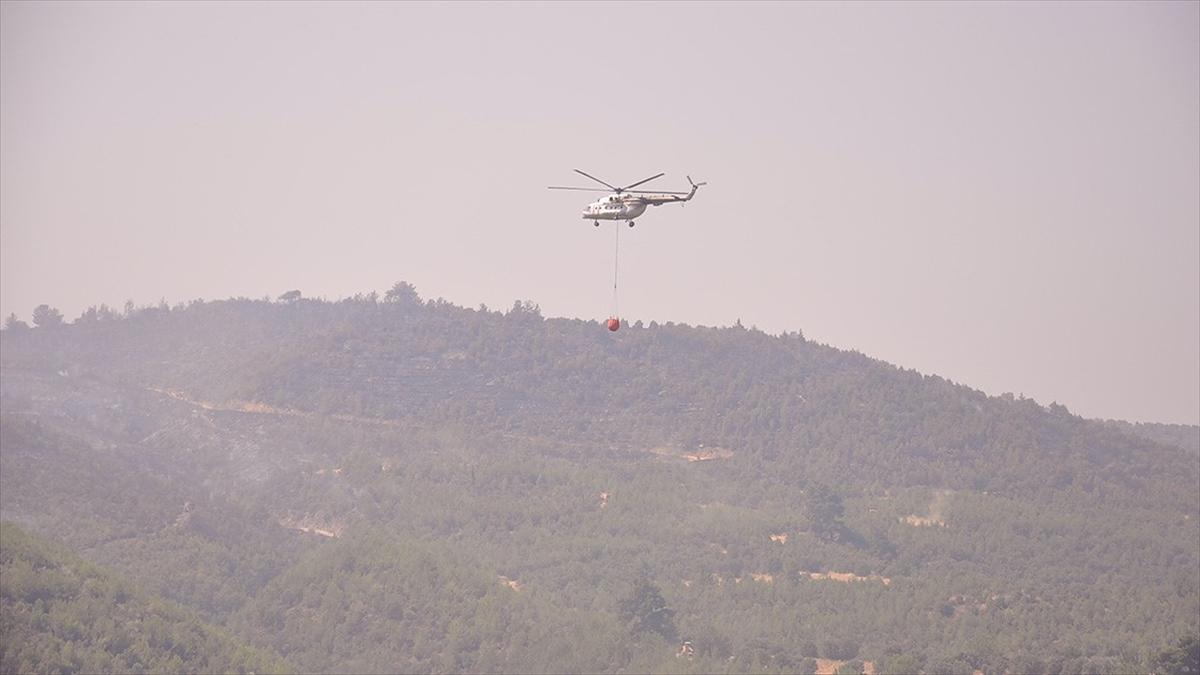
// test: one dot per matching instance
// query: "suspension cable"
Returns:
(616, 267)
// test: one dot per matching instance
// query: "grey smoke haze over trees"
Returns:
(1002, 194)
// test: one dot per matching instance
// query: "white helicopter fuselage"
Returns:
(614, 207)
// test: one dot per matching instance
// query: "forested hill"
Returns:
(63, 614)
(374, 485)
(807, 408)
(1179, 435)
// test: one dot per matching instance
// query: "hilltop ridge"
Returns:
(655, 385)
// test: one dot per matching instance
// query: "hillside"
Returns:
(62, 614)
(294, 471)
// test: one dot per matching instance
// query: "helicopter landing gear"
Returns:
(596, 223)
(630, 223)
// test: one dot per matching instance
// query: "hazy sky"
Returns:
(1002, 194)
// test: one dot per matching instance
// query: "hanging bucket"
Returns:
(614, 324)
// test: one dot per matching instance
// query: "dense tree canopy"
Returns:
(376, 486)
(64, 615)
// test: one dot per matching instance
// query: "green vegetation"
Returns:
(381, 485)
(64, 615)
(645, 610)
(377, 604)
(1182, 658)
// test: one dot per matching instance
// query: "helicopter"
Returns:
(626, 204)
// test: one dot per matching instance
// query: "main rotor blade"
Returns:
(598, 181)
(644, 180)
(653, 192)
(555, 187)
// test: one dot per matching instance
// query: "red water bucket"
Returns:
(614, 324)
